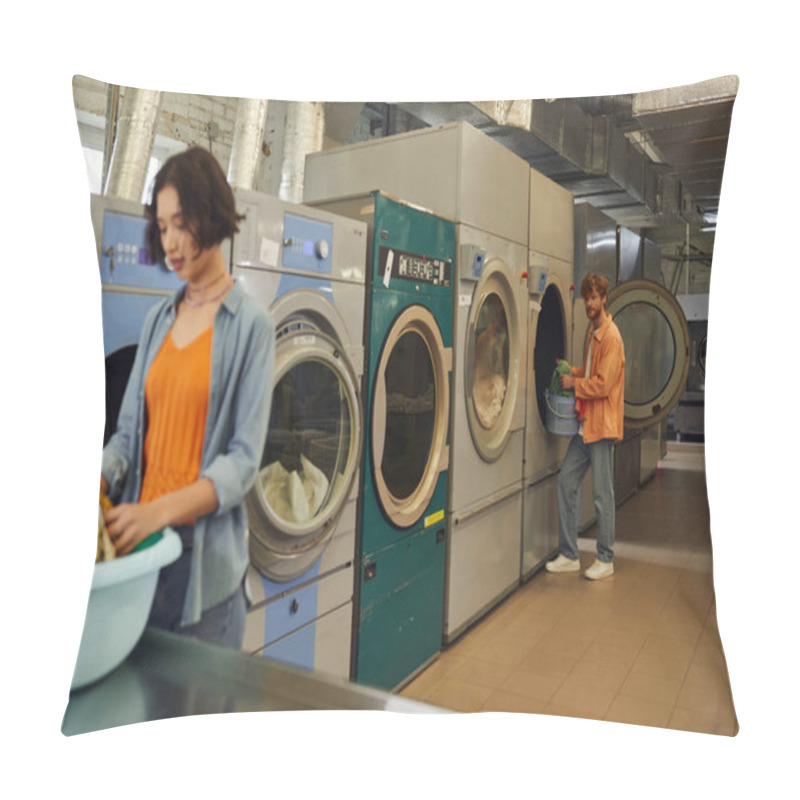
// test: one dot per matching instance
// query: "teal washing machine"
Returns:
(402, 522)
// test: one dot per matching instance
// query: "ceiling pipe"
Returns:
(305, 130)
(112, 109)
(133, 143)
(248, 143)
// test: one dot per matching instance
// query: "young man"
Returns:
(599, 390)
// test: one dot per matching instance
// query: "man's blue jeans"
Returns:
(579, 457)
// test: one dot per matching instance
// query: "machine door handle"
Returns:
(370, 570)
(294, 606)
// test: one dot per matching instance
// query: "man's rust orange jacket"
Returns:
(601, 394)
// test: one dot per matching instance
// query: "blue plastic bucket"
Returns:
(560, 419)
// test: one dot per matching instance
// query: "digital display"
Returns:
(416, 268)
(412, 267)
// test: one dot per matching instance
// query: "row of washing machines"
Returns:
(421, 294)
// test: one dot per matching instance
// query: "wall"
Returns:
(675, 274)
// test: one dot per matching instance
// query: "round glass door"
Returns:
(311, 454)
(490, 378)
(410, 416)
(656, 338)
(492, 362)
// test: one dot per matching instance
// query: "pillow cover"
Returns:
(641, 647)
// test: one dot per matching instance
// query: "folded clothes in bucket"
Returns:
(562, 368)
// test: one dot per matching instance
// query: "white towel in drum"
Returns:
(294, 496)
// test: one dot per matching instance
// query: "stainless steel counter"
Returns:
(167, 675)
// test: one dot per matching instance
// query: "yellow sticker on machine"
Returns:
(432, 519)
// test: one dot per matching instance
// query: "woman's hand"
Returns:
(131, 523)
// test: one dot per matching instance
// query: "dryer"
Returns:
(307, 267)
(131, 284)
(549, 337)
(402, 508)
(463, 175)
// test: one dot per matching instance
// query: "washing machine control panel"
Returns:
(124, 257)
(537, 280)
(307, 244)
(413, 267)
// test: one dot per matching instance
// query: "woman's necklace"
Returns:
(197, 303)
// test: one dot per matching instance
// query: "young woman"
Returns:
(194, 416)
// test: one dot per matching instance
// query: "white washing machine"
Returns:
(307, 266)
(463, 175)
(549, 337)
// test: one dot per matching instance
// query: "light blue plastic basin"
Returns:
(119, 604)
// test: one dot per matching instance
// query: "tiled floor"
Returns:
(641, 647)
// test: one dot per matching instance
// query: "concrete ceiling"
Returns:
(652, 161)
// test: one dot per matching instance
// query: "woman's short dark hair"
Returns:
(207, 203)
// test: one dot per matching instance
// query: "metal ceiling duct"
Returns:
(688, 128)
(305, 129)
(133, 143)
(248, 138)
(646, 159)
(584, 153)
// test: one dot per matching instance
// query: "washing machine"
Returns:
(307, 267)
(549, 337)
(463, 175)
(131, 285)
(402, 509)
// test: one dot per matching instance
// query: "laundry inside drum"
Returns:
(491, 361)
(308, 443)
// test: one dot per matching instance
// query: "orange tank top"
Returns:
(176, 392)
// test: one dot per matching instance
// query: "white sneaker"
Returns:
(563, 564)
(599, 570)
